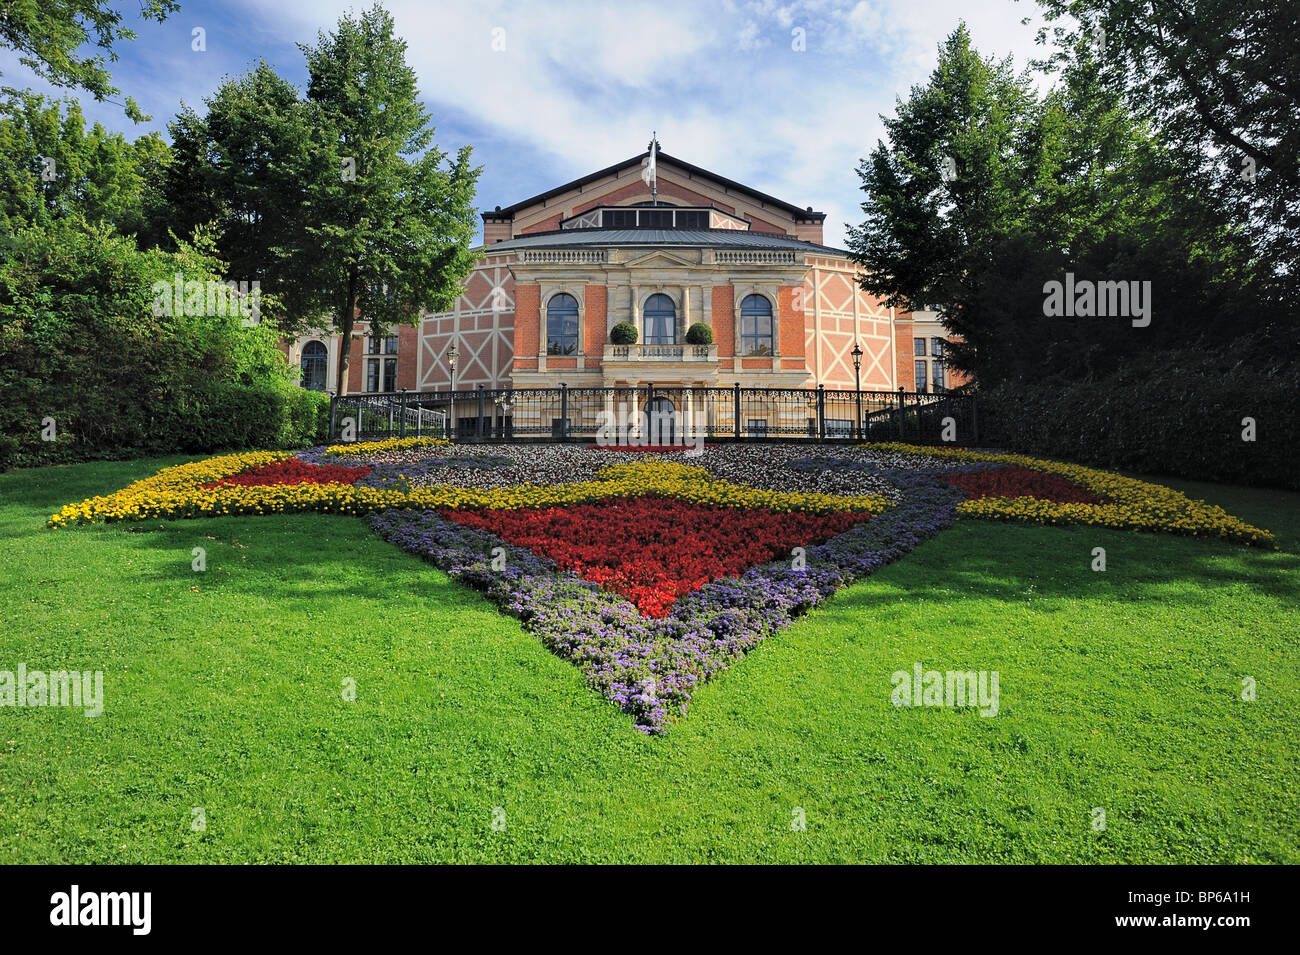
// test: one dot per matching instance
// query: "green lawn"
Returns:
(223, 690)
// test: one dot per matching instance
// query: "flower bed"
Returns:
(171, 492)
(174, 493)
(291, 471)
(650, 666)
(1127, 503)
(653, 550)
(652, 574)
(1014, 481)
(367, 448)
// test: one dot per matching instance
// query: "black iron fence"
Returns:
(652, 414)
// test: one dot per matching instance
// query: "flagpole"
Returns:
(654, 171)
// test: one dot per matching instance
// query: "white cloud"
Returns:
(864, 19)
(748, 38)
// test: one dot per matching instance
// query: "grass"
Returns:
(224, 690)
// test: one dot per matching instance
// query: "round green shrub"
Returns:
(699, 334)
(624, 333)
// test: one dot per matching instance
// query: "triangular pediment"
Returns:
(659, 259)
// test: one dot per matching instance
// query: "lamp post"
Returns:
(506, 403)
(857, 388)
(453, 356)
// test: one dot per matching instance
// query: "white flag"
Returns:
(648, 172)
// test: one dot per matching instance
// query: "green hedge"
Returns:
(222, 416)
(1179, 415)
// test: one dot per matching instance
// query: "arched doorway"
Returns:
(661, 421)
(315, 365)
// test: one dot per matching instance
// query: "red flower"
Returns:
(1022, 482)
(653, 550)
(292, 471)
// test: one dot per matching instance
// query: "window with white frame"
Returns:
(381, 372)
(381, 344)
(756, 331)
(315, 364)
(659, 317)
(562, 324)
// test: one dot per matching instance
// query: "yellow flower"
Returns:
(391, 444)
(1129, 504)
(175, 492)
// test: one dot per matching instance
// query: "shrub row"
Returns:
(1184, 417)
(216, 417)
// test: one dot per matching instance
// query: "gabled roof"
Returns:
(622, 238)
(509, 211)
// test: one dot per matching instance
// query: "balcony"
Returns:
(661, 353)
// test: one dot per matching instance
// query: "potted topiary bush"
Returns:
(624, 333)
(699, 334)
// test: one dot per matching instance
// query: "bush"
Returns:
(624, 333)
(699, 334)
(80, 345)
(1182, 416)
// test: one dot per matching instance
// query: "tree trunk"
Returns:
(346, 322)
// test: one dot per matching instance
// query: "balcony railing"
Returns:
(561, 256)
(755, 257)
(661, 353)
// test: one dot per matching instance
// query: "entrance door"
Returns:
(662, 424)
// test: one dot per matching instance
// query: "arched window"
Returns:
(315, 363)
(562, 325)
(756, 326)
(659, 316)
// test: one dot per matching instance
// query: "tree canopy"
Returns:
(338, 200)
(987, 191)
(49, 36)
(53, 167)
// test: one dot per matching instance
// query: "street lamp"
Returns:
(857, 387)
(453, 356)
(506, 403)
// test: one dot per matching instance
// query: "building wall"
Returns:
(482, 324)
(408, 351)
(838, 314)
(927, 326)
(818, 321)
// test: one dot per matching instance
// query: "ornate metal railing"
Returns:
(675, 413)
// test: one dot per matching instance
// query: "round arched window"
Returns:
(315, 364)
(659, 317)
(562, 325)
(756, 326)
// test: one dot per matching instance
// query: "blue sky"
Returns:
(580, 85)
